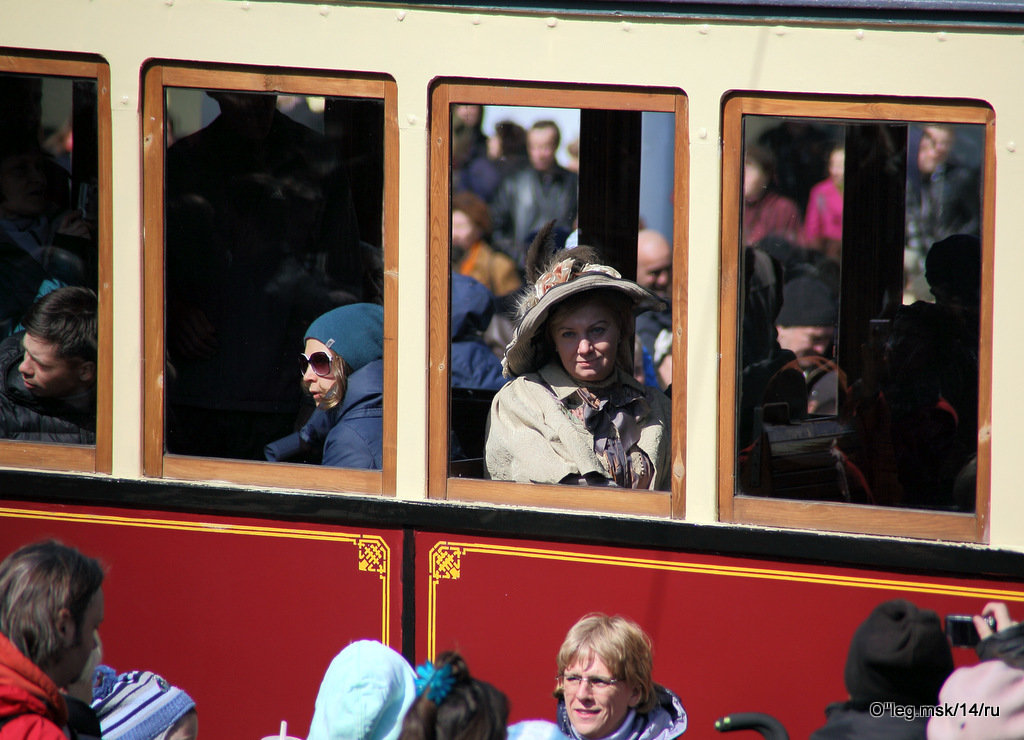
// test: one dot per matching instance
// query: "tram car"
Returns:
(223, 171)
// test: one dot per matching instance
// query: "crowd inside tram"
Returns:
(270, 256)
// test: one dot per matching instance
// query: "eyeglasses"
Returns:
(320, 362)
(573, 681)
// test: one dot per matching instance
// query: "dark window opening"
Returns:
(859, 306)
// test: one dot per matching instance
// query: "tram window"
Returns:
(274, 279)
(858, 311)
(512, 169)
(51, 207)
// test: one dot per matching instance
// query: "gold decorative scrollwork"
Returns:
(445, 562)
(374, 555)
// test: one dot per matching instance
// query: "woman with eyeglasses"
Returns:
(604, 685)
(343, 370)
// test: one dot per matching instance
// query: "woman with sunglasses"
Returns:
(343, 370)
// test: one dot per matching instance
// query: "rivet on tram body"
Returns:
(552, 22)
(1011, 146)
(860, 34)
(627, 26)
(245, 5)
(400, 15)
(941, 36)
(325, 11)
(125, 100)
(476, 20)
(411, 119)
(702, 132)
(168, 3)
(440, 366)
(704, 29)
(780, 31)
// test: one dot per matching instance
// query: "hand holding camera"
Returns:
(967, 631)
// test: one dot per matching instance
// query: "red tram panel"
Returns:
(730, 634)
(243, 614)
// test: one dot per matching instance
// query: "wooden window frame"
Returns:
(96, 458)
(444, 94)
(156, 462)
(841, 517)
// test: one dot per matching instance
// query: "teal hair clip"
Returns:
(434, 681)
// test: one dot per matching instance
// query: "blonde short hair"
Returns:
(621, 645)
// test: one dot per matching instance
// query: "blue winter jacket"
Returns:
(473, 363)
(351, 434)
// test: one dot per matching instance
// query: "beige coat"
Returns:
(533, 438)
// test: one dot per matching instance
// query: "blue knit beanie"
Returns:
(137, 705)
(356, 332)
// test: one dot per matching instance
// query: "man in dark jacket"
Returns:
(529, 198)
(48, 373)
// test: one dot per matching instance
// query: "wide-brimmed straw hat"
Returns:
(564, 278)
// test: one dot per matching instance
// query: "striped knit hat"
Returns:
(138, 705)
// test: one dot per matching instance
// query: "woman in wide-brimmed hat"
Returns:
(574, 413)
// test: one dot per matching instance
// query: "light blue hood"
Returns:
(364, 695)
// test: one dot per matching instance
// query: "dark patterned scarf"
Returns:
(612, 415)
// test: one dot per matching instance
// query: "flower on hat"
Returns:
(560, 273)
(434, 680)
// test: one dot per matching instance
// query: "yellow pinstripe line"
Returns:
(302, 534)
(745, 572)
(696, 568)
(236, 529)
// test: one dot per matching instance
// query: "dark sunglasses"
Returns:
(320, 362)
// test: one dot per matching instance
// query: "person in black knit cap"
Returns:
(899, 658)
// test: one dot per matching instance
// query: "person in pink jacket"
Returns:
(823, 224)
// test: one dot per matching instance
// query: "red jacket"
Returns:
(31, 707)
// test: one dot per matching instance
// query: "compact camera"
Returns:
(961, 631)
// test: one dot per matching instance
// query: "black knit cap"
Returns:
(955, 264)
(900, 653)
(807, 301)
